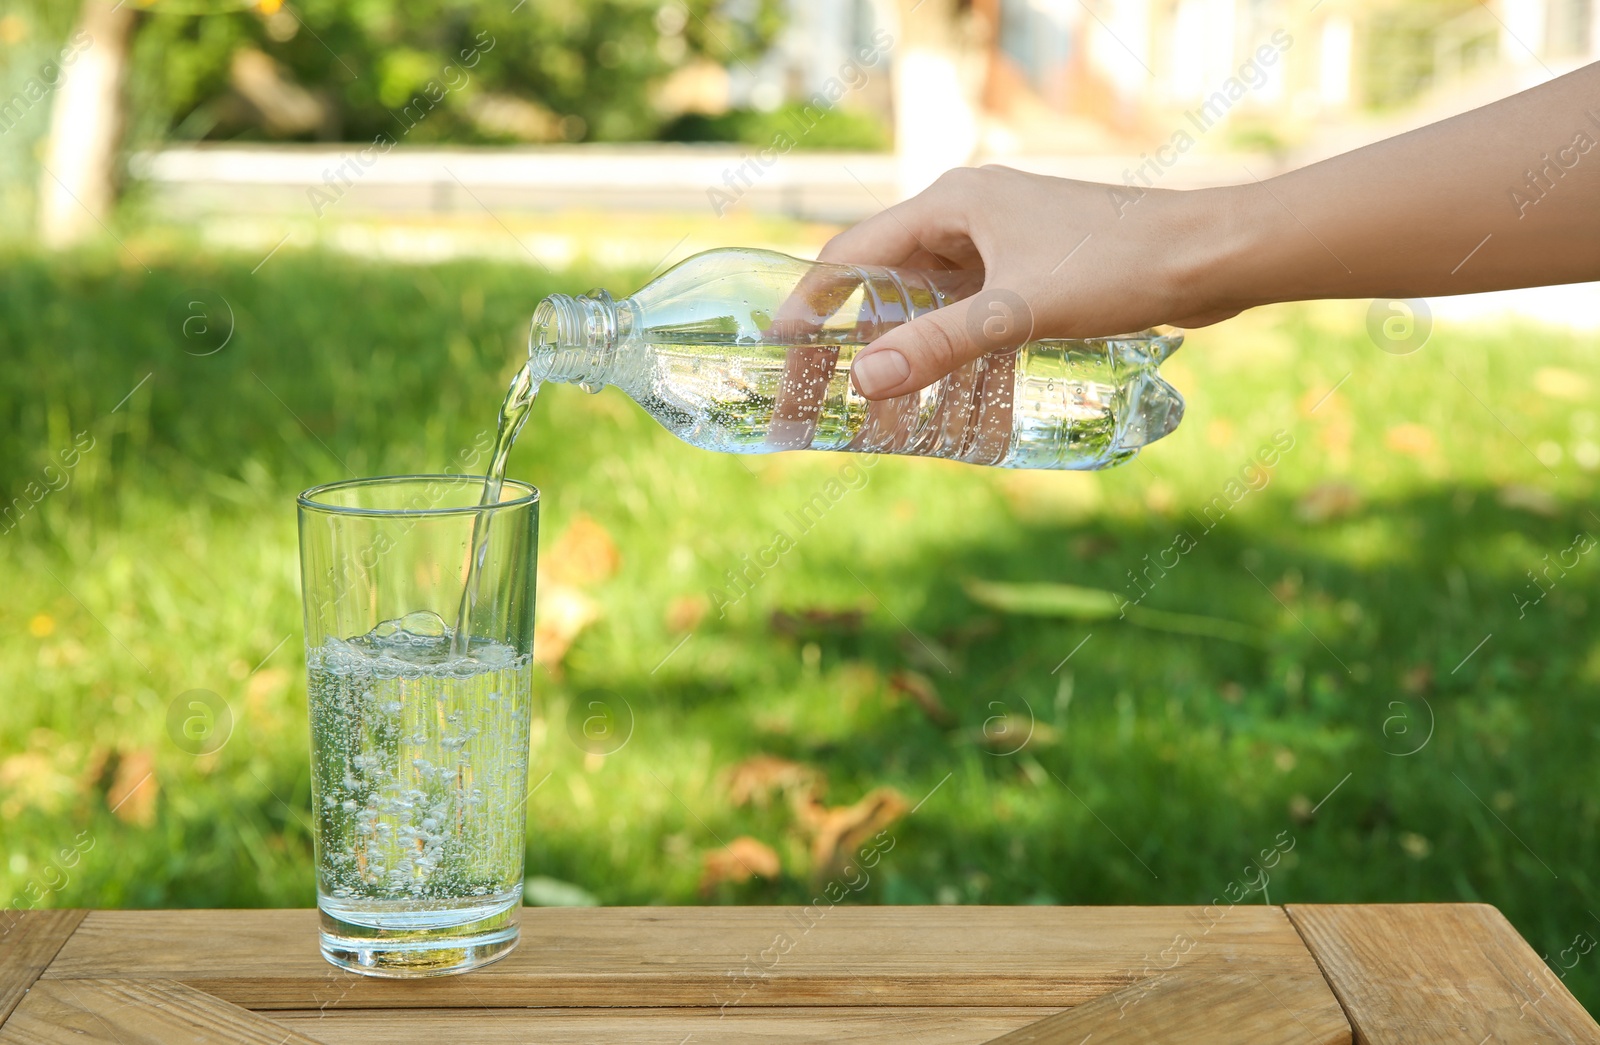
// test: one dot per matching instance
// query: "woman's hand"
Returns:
(1500, 197)
(1059, 258)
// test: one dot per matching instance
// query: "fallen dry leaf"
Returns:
(1336, 437)
(95, 770)
(1093, 546)
(585, 554)
(1412, 439)
(973, 629)
(685, 612)
(1325, 501)
(1321, 400)
(132, 796)
(839, 833)
(1039, 496)
(920, 689)
(858, 677)
(1159, 497)
(1300, 809)
(1418, 679)
(756, 779)
(1559, 383)
(738, 861)
(1529, 499)
(1008, 733)
(264, 687)
(267, 682)
(927, 652)
(32, 779)
(24, 768)
(1416, 846)
(561, 614)
(812, 620)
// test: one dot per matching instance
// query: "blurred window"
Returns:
(862, 21)
(1037, 36)
(1570, 28)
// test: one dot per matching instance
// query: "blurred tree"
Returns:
(427, 70)
(77, 178)
(841, 129)
(1401, 47)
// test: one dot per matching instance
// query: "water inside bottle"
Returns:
(1043, 405)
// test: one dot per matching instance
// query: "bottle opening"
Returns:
(556, 322)
(571, 339)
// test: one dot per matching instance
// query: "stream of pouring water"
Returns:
(513, 415)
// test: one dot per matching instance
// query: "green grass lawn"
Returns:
(1367, 721)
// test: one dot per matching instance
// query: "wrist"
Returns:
(1221, 241)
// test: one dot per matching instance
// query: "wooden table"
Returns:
(1303, 975)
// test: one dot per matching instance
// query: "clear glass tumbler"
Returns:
(419, 737)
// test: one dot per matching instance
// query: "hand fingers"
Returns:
(807, 368)
(915, 354)
(814, 301)
(918, 353)
(929, 227)
(927, 261)
(883, 239)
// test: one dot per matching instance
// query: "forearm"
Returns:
(1505, 196)
(1501, 197)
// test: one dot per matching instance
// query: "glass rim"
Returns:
(308, 499)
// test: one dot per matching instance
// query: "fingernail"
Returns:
(878, 372)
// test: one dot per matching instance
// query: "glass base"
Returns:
(399, 940)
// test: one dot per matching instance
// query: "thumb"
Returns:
(918, 353)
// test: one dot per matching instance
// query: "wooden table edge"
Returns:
(1380, 989)
(1326, 931)
(34, 951)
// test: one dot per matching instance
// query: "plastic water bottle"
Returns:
(749, 351)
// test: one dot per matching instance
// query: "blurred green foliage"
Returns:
(1407, 44)
(1405, 756)
(591, 63)
(838, 128)
(1257, 137)
(586, 69)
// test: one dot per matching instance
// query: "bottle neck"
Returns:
(574, 338)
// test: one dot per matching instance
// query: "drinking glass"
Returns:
(419, 669)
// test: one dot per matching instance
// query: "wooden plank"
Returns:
(735, 956)
(1203, 1005)
(136, 1012)
(771, 1025)
(1206, 1003)
(28, 941)
(1416, 974)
